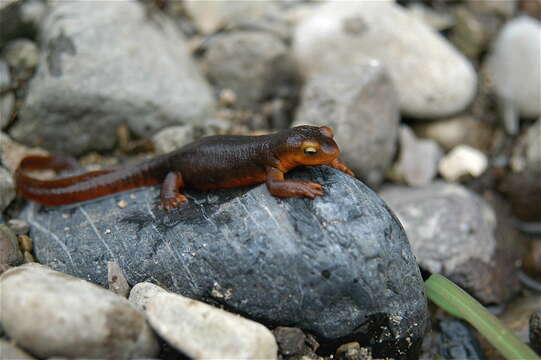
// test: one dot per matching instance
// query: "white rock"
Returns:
(50, 314)
(515, 65)
(172, 138)
(463, 160)
(418, 161)
(433, 79)
(202, 331)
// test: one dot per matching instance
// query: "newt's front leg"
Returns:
(170, 194)
(337, 164)
(280, 187)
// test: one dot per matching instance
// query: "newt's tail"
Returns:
(72, 189)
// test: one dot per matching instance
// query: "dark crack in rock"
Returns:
(339, 267)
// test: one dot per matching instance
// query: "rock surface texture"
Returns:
(432, 78)
(336, 266)
(50, 314)
(361, 105)
(202, 331)
(74, 92)
(453, 232)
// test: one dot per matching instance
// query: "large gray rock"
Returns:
(127, 70)
(454, 232)
(202, 331)
(336, 266)
(361, 105)
(255, 65)
(433, 79)
(52, 314)
(515, 68)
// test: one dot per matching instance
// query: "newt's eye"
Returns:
(310, 150)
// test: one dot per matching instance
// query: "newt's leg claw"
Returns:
(169, 203)
(310, 189)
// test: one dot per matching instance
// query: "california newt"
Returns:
(213, 162)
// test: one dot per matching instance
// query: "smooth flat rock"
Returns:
(202, 331)
(127, 70)
(433, 79)
(361, 105)
(336, 266)
(50, 313)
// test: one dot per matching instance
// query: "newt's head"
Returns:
(307, 145)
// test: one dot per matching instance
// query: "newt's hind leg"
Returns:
(170, 195)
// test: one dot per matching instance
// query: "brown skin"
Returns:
(214, 162)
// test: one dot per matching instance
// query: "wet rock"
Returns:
(9, 351)
(211, 16)
(7, 100)
(342, 260)
(514, 66)
(456, 340)
(455, 131)
(202, 331)
(452, 231)
(7, 189)
(116, 280)
(361, 106)
(22, 55)
(9, 248)
(432, 78)
(408, 168)
(535, 331)
(172, 138)
(53, 314)
(254, 65)
(148, 93)
(461, 162)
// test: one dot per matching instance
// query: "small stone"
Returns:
(462, 161)
(122, 204)
(523, 189)
(10, 253)
(503, 8)
(7, 189)
(527, 152)
(7, 101)
(28, 257)
(413, 171)
(227, 97)
(254, 65)
(531, 7)
(469, 34)
(22, 55)
(116, 280)
(432, 78)
(454, 232)
(535, 331)
(349, 351)
(518, 313)
(460, 130)
(50, 313)
(203, 331)
(456, 340)
(514, 66)
(173, 138)
(438, 20)
(361, 106)
(11, 154)
(291, 341)
(25, 242)
(8, 351)
(20, 227)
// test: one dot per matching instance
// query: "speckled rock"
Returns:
(156, 83)
(254, 65)
(514, 66)
(50, 313)
(202, 331)
(336, 266)
(457, 341)
(10, 253)
(453, 232)
(433, 79)
(361, 106)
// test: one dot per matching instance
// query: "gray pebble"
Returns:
(53, 314)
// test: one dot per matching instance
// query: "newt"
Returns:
(213, 162)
